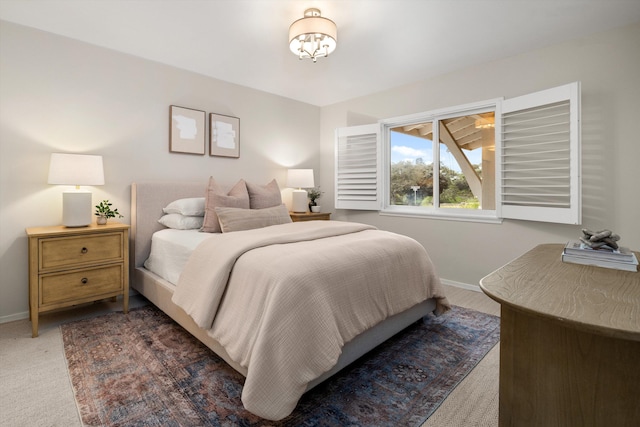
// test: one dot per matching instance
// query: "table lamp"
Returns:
(76, 169)
(300, 178)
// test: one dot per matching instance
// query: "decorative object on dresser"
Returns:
(309, 216)
(603, 239)
(186, 130)
(569, 342)
(600, 249)
(104, 212)
(76, 169)
(224, 136)
(69, 266)
(300, 178)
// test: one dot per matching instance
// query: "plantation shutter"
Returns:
(358, 166)
(540, 156)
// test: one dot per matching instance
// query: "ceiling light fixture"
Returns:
(313, 36)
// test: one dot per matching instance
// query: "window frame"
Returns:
(482, 215)
(568, 94)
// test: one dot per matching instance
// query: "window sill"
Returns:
(468, 216)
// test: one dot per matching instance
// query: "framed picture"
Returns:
(186, 130)
(224, 136)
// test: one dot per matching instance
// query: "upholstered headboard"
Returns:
(147, 201)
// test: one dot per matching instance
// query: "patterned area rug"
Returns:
(142, 369)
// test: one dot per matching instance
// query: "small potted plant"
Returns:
(314, 194)
(104, 212)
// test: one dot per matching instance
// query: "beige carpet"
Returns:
(36, 389)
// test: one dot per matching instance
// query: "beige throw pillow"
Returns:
(215, 197)
(233, 219)
(264, 196)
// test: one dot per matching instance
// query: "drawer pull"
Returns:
(84, 280)
(84, 250)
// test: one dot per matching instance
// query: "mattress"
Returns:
(170, 250)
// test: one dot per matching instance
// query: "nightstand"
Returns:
(69, 266)
(309, 216)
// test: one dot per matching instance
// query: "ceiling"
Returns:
(381, 43)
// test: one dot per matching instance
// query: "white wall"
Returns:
(608, 65)
(61, 95)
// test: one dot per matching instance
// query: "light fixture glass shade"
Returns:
(76, 169)
(301, 178)
(313, 36)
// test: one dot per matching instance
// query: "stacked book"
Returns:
(620, 259)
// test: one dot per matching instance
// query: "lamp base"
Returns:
(76, 208)
(299, 202)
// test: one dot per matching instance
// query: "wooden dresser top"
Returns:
(599, 300)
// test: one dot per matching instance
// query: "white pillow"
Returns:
(181, 222)
(235, 219)
(190, 207)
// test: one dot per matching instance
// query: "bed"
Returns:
(268, 392)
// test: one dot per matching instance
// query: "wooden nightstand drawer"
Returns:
(76, 285)
(81, 250)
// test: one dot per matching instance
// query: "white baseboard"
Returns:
(466, 286)
(25, 314)
(15, 316)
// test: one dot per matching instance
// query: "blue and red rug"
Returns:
(143, 369)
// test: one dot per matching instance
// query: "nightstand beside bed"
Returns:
(309, 216)
(70, 266)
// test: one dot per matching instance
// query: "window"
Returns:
(463, 162)
(517, 158)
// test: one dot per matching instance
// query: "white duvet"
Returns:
(283, 300)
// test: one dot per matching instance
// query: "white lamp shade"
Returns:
(300, 178)
(76, 169)
(312, 25)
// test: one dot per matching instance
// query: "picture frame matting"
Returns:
(224, 135)
(187, 128)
